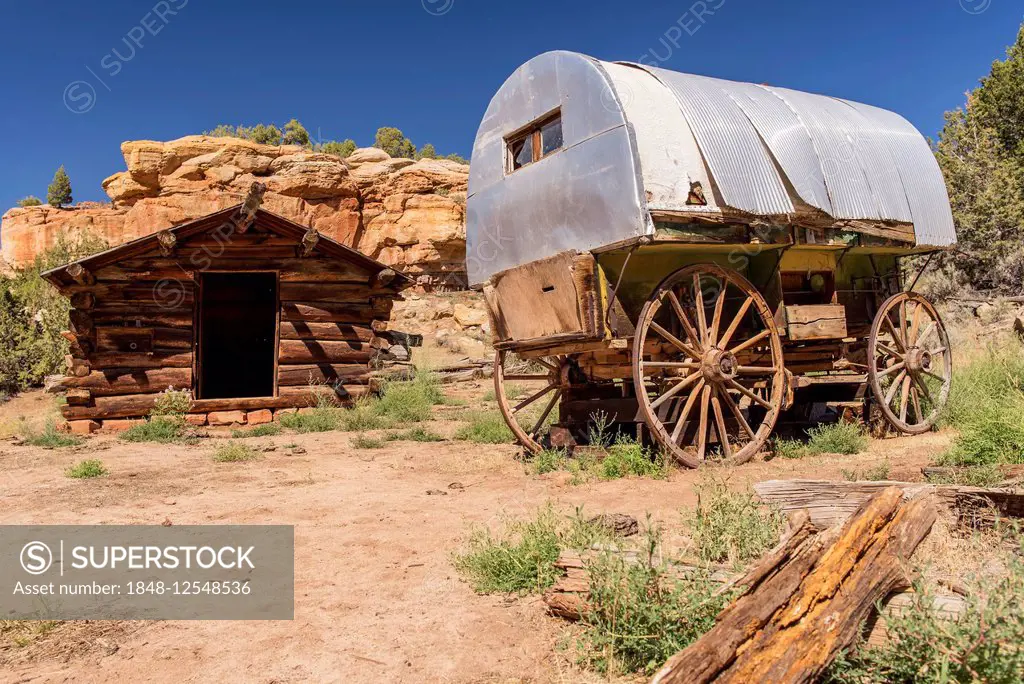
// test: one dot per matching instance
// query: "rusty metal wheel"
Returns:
(910, 363)
(541, 377)
(707, 363)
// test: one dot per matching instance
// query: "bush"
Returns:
(172, 402)
(267, 430)
(731, 526)
(986, 405)
(790, 448)
(30, 201)
(837, 438)
(159, 429)
(522, 559)
(86, 469)
(638, 615)
(234, 452)
(33, 314)
(550, 460)
(51, 438)
(969, 476)
(628, 457)
(416, 434)
(484, 427)
(983, 645)
(361, 441)
(410, 402)
(319, 419)
(394, 142)
(342, 149)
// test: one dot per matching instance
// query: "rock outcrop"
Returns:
(409, 214)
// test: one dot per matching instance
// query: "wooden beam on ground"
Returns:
(808, 600)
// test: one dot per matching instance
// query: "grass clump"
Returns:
(416, 434)
(159, 429)
(512, 391)
(790, 449)
(411, 401)
(362, 441)
(638, 615)
(52, 438)
(982, 645)
(875, 473)
(85, 469)
(322, 418)
(265, 430)
(521, 559)
(484, 427)
(986, 405)
(731, 526)
(550, 460)
(837, 438)
(984, 475)
(235, 452)
(627, 457)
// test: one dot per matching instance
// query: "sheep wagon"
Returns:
(696, 256)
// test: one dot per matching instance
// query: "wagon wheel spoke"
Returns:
(763, 335)
(892, 369)
(675, 341)
(521, 376)
(676, 389)
(723, 434)
(736, 412)
(890, 351)
(747, 393)
(895, 336)
(716, 320)
(684, 320)
(544, 416)
(904, 396)
(677, 432)
(698, 297)
(737, 319)
(550, 366)
(891, 394)
(702, 427)
(915, 324)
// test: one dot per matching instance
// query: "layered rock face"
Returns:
(408, 214)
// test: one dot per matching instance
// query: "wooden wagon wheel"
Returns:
(707, 361)
(910, 363)
(548, 377)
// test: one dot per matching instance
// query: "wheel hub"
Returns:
(918, 360)
(718, 365)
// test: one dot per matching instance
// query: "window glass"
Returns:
(522, 152)
(551, 137)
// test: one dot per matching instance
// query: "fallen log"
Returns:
(831, 502)
(808, 600)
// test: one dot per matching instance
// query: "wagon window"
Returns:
(536, 142)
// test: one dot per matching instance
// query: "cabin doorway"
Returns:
(237, 335)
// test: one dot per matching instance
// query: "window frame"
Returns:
(531, 134)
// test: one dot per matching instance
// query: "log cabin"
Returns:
(249, 311)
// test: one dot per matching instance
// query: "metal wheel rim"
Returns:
(552, 391)
(702, 337)
(900, 356)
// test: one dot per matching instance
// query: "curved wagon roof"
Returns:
(638, 139)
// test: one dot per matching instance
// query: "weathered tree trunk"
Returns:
(806, 603)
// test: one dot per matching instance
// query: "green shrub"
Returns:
(522, 558)
(58, 194)
(790, 449)
(362, 441)
(318, 419)
(412, 401)
(234, 452)
(638, 615)
(484, 427)
(394, 142)
(265, 430)
(30, 201)
(986, 405)
(86, 469)
(970, 476)
(628, 457)
(416, 434)
(363, 416)
(33, 314)
(51, 438)
(341, 149)
(982, 645)
(161, 429)
(730, 526)
(550, 460)
(837, 438)
(172, 402)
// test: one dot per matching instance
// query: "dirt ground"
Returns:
(377, 598)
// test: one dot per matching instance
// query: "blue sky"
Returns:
(346, 67)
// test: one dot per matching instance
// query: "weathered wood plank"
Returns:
(292, 269)
(316, 351)
(329, 312)
(330, 292)
(816, 321)
(305, 330)
(110, 339)
(115, 382)
(142, 360)
(323, 373)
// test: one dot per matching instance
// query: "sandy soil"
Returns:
(377, 598)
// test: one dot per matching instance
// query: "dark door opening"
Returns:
(238, 330)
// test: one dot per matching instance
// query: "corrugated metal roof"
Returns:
(740, 163)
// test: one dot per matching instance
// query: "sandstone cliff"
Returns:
(409, 214)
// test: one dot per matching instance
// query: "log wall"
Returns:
(133, 326)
